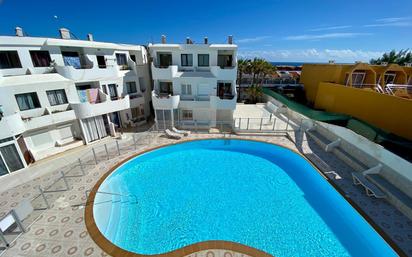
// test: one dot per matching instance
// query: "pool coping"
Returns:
(116, 251)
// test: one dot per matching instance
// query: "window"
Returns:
(187, 115)
(186, 89)
(27, 101)
(113, 91)
(9, 60)
(164, 60)
(358, 78)
(131, 87)
(121, 59)
(104, 88)
(142, 84)
(224, 90)
(40, 58)
(101, 61)
(137, 112)
(166, 88)
(203, 60)
(187, 59)
(390, 78)
(133, 57)
(57, 97)
(224, 61)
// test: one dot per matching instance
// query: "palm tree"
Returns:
(243, 66)
(254, 91)
(401, 57)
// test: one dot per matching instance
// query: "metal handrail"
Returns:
(111, 193)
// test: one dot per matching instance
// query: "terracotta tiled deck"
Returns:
(61, 230)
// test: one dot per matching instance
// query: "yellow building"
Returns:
(379, 95)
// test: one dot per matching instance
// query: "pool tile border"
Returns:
(116, 251)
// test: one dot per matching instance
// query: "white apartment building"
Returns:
(56, 94)
(194, 84)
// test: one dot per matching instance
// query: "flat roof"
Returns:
(33, 79)
(41, 41)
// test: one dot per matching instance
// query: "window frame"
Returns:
(118, 58)
(199, 56)
(53, 93)
(104, 60)
(187, 114)
(32, 52)
(184, 89)
(36, 102)
(10, 62)
(188, 62)
(128, 88)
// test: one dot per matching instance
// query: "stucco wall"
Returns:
(387, 112)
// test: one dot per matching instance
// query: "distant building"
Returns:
(193, 83)
(380, 95)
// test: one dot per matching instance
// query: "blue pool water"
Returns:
(253, 193)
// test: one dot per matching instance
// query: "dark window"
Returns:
(121, 59)
(27, 101)
(187, 59)
(101, 61)
(142, 84)
(165, 60)
(40, 58)
(9, 60)
(104, 89)
(224, 90)
(133, 57)
(113, 91)
(131, 87)
(57, 97)
(224, 61)
(166, 88)
(203, 60)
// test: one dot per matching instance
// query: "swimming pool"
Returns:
(253, 193)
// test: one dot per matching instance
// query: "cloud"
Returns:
(391, 22)
(326, 36)
(252, 40)
(331, 28)
(393, 19)
(312, 55)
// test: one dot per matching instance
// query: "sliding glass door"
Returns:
(9, 159)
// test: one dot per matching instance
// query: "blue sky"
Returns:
(278, 30)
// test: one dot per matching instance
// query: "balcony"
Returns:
(136, 99)
(192, 102)
(48, 118)
(11, 125)
(223, 104)
(227, 73)
(105, 105)
(166, 102)
(87, 71)
(164, 73)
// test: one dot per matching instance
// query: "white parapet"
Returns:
(166, 102)
(164, 73)
(228, 73)
(223, 104)
(86, 74)
(87, 110)
(11, 125)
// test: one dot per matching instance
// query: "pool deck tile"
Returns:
(61, 230)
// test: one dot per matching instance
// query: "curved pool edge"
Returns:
(116, 251)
